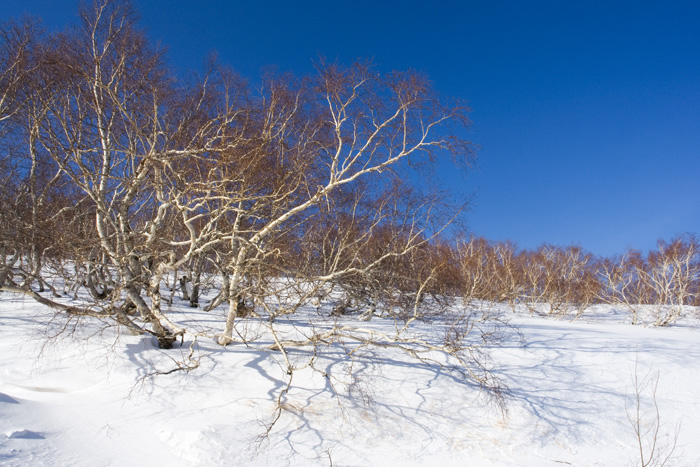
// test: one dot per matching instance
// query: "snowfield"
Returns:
(91, 398)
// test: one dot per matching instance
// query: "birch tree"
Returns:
(353, 124)
(214, 171)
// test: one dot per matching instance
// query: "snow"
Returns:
(89, 397)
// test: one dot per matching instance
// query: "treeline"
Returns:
(561, 280)
(125, 181)
(653, 287)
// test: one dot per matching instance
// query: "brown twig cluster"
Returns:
(559, 280)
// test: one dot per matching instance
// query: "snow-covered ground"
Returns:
(93, 401)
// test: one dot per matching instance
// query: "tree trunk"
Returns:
(233, 294)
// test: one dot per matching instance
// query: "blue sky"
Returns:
(587, 113)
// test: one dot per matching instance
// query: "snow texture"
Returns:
(90, 399)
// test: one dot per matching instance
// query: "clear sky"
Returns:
(587, 113)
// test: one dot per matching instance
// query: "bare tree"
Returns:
(347, 125)
(663, 281)
(16, 49)
(655, 447)
(561, 278)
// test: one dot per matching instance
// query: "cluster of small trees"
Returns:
(665, 280)
(558, 280)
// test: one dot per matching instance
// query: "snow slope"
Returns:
(88, 400)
